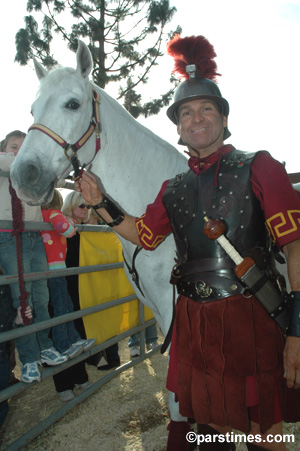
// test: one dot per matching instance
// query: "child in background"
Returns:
(35, 348)
(65, 336)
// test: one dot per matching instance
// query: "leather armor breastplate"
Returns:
(188, 198)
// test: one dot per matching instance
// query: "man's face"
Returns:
(201, 126)
(14, 144)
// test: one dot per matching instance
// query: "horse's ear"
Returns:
(84, 59)
(40, 71)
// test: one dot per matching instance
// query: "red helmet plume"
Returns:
(193, 50)
(194, 61)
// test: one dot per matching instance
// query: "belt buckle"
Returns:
(203, 290)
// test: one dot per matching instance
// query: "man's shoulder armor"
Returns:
(178, 179)
(238, 157)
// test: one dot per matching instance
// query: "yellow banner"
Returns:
(99, 287)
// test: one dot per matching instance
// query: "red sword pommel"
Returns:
(214, 230)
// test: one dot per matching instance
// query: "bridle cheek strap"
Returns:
(70, 150)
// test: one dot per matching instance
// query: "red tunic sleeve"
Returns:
(278, 199)
(272, 187)
(154, 225)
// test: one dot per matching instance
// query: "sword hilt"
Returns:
(214, 230)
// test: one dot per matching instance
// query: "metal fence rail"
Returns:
(49, 372)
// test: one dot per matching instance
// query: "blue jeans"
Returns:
(150, 336)
(63, 335)
(34, 260)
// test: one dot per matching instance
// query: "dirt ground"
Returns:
(128, 413)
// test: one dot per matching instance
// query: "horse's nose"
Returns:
(30, 174)
(26, 174)
(32, 181)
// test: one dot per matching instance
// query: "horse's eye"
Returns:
(72, 105)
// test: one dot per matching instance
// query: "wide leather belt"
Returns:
(197, 266)
(207, 287)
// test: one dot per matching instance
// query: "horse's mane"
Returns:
(120, 110)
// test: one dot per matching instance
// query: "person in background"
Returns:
(74, 206)
(37, 347)
(75, 376)
(93, 219)
(9, 319)
(65, 336)
(150, 338)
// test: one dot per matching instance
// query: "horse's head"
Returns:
(62, 115)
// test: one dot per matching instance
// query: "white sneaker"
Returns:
(52, 357)
(83, 386)
(86, 344)
(73, 351)
(30, 372)
(66, 395)
(151, 345)
(134, 351)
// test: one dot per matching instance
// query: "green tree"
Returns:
(125, 38)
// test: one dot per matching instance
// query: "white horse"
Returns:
(132, 163)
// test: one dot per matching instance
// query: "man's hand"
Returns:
(291, 357)
(87, 185)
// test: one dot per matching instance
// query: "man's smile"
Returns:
(196, 130)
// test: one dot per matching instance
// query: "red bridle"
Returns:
(94, 126)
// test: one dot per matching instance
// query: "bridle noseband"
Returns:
(94, 126)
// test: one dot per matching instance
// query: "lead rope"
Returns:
(17, 229)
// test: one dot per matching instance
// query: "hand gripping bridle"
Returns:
(70, 150)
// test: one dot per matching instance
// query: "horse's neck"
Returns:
(133, 162)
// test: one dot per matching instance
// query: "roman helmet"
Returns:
(194, 62)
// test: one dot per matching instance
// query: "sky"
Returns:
(258, 54)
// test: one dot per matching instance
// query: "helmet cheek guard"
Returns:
(198, 88)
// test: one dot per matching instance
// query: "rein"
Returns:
(132, 271)
(94, 126)
(18, 228)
